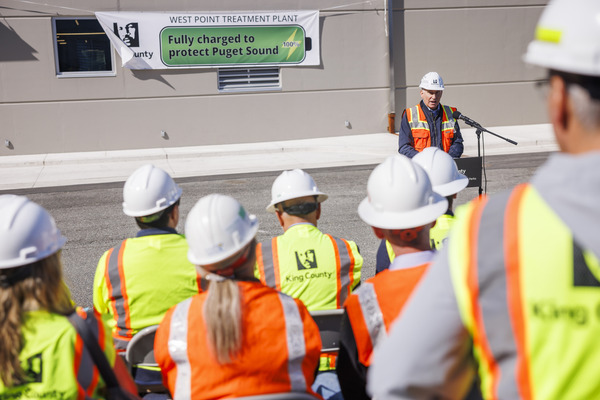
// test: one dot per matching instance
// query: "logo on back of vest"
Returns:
(33, 368)
(306, 259)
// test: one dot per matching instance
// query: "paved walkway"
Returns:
(44, 170)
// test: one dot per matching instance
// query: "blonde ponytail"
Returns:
(223, 318)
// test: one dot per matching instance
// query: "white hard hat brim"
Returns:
(225, 255)
(428, 87)
(450, 188)
(403, 220)
(145, 213)
(30, 258)
(321, 197)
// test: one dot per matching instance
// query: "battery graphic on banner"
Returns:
(190, 46)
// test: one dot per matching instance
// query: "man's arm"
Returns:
(406, 144)
(456, 148)
(428, 350)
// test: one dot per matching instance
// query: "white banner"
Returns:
(146, 40)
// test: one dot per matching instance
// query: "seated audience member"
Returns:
(401, 208)
(448, 182)
(42, 355)
(239, 338)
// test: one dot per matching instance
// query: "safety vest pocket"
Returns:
(421, 138)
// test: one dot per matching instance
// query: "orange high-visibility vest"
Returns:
(372, 309)
(280, 348)
(420, 127)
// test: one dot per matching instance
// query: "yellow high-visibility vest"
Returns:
(55, 360)
(137, 281)
(319, 269)
(529, 295)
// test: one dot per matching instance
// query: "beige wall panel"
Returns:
(31, 70)
(420, 4)
(470, 45)
(16, 8)
(33, 77)
(131, 124)
(354, 54)
(167, 83)
(493, 104)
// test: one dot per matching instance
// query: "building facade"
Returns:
(372, 56)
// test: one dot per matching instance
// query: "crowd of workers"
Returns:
(499, 302)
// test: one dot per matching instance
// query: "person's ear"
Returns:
(318, 211)
(557, 109)
(279, 215)
(174, 216)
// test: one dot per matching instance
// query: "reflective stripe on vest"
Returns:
(178, 350)
(344, 259)
(115, 281)
(487, 281)
(85, 369)
(270, 263)
(294, 329)
(420, 127)
(371, 313)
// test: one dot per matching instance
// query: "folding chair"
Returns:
(329, 323)
(140, 353)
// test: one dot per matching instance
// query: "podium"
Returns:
(471, 167)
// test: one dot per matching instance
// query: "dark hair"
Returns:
(590, 83)
(161, 222)
(299, 209)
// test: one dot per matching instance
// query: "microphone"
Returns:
(457, 115)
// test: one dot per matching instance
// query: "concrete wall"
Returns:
(475, 45)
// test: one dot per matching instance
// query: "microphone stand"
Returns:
(478, 131)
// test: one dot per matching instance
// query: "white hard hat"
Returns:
(28, 232)
(292, 185)
(400, 196)
(567, 37)
(149, 190)
(216, 228)
(442, 171)
(432, 81)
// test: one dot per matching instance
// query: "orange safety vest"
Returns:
(370, 317)
(280, 348)
(420, 127)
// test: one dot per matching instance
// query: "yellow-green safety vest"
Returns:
(137, 281)
(55, 361)
(437, 235)
(529, 295)
(319, 269)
